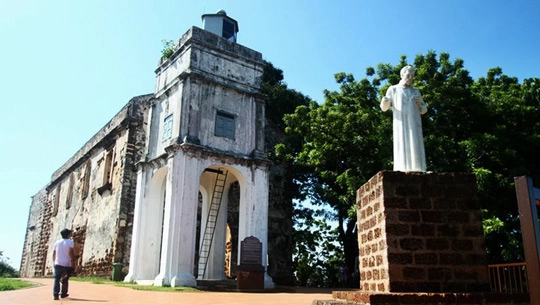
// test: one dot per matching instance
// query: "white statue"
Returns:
(407, 106)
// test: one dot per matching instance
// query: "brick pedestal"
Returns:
(250, 280)
(421, 241)
(421, 232)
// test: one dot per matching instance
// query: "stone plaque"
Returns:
(251, 251)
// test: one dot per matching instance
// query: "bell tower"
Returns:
(205, 141)
(221, 25)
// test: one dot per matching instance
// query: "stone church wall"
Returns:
(92, 194)
(35, 251)
(280, 215)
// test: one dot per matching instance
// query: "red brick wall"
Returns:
(421, 232)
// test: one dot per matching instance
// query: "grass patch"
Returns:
(13, 284)
(93, 280)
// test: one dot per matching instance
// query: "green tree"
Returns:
(507, 148)
(318, 255)
(281, 100)
(343, 145)
(6, 270)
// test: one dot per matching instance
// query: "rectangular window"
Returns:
(56, 200)
(108, 168)
(69, 197)
(86, 180)
(108, 172)
(167, 128)
(225, 126)
(228, 30)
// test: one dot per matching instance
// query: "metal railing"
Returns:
(508, 278)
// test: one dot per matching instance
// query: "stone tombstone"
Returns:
(251, 252)
(250, 271)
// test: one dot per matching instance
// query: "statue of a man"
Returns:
(407, 106)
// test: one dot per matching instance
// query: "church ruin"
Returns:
(177, 179)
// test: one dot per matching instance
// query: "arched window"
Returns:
(86, 179)
(108, 170)
(69, 197)
(56, 200)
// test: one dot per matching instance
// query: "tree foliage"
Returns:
(488, 127)
(318, 255)
(284, 175)
(6, 270)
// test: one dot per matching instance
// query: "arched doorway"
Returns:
(217, 230)
(146, 248)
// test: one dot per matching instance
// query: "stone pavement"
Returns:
(83, 293)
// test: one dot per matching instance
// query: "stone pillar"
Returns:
(254, 214)
(179, 226)
(136, 258)
(421, 232)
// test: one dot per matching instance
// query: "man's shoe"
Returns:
(56, 298)
(64, 296)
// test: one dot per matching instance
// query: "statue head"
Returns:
(407, 75)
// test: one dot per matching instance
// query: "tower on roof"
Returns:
(220, 24)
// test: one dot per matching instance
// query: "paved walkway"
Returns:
(83, 293)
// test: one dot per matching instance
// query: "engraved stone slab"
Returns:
(251, 251)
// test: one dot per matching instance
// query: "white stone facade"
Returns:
(206, 76)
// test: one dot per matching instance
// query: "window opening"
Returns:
(108, 170)
(69, 197)
(225, 125)
(86, 180)
(228, 30)
(56, 200)
(167, 127)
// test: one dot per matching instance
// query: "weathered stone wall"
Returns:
(99, 213)
(208, 54)
(421, 232)
(280, 215)
(93, 194)
(34, 256)
(207, 75)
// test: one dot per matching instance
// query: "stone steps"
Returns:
(217, 285)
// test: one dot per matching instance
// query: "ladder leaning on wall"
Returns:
(213, 211)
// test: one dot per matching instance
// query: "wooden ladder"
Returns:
(213, 212)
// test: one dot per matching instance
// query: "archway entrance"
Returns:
(218, 223)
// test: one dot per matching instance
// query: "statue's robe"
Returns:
(409, 154)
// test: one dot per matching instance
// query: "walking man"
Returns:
(64, 260)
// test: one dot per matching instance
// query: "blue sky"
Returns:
(67, 67)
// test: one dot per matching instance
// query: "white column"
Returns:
(254, 214)
(179, 229)
(135, 263)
